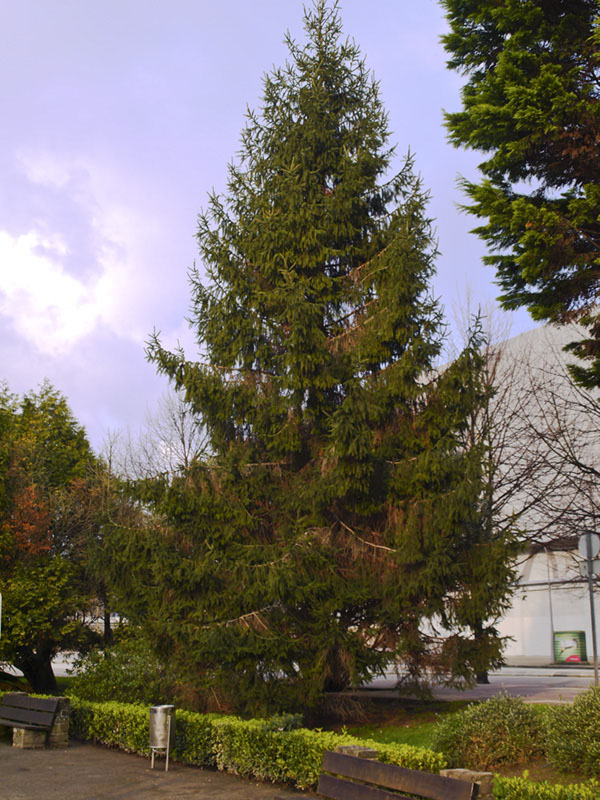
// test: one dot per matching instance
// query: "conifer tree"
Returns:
(531, 104)
(336, 522)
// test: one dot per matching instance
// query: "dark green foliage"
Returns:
(337, 519)
(531, 104)
(502, 730)
(573, 735)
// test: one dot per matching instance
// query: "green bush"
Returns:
(502, 730)
(523, 789)
(126, 672)
(572, 734)
(271, 749)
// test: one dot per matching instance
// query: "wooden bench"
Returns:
(30, 713)
(346, 777)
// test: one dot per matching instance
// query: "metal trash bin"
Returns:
(162, 731)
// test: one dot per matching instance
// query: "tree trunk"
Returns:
(338, 677)
(481, 676)
(108, 634)
(38, 671)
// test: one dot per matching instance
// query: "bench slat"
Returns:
(41, 719)
(22, 711)
(339, 789)
(10, 723)
(428, 785)
(18, 700)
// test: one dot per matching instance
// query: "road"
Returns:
(536, 685)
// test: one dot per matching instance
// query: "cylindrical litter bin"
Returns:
(162, 730)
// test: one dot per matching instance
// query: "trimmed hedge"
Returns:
(523, 789)
(260, 749)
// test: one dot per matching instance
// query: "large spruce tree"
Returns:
(336, 523)
(531, 104)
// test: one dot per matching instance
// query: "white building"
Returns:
(551, 608)
(558, 500)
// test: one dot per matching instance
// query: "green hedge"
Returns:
(523, 789)
(253, 749)
(260, 749)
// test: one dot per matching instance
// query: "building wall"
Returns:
(544, 604)
(553, 499)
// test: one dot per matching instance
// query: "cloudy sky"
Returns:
(118, 118)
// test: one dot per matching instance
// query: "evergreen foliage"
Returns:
(531, 105)
(337, 518)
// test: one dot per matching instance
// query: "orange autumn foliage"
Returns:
(30, 523)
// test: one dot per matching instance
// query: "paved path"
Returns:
(89, 772)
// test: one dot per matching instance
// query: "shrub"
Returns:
(502, 730)
(572, 734)
(126, 672)
(523, 789)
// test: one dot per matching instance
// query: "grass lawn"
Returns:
(64, 682)
(405, 722)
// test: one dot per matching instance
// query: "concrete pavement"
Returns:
(89, 772)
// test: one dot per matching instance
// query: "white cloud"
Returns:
(44, 169)
(47, 306)
(52, 293)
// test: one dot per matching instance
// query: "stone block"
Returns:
(59, 734)
(356, 750)
(29, 740)
(484, 780)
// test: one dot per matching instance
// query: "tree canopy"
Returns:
(45, 462)
(334, 528)
(531, 104)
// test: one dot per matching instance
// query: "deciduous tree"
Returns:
(44, 455)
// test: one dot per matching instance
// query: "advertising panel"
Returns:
(569, 647)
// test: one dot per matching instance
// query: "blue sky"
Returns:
(118, 118)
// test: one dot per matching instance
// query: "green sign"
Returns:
(569, 647)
